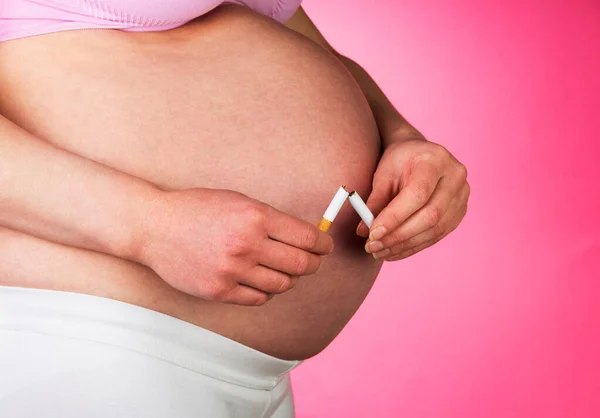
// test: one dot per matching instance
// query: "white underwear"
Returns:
(68, 355)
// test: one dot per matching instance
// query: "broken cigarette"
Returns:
(333, 209)
(361, 208)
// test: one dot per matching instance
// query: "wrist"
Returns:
(140, 224)
(403, 133)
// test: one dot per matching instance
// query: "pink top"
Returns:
(21, 18)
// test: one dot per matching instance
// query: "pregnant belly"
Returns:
(232, 100)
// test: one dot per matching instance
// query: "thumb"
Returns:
(377, 201)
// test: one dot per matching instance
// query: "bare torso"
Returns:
(232, 101)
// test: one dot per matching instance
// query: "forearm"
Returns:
(58, 196)
(392, 125)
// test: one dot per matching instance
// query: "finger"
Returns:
(267, 280)
(448, 224)
(287, 259)
(381, 195)
(396, 249)
(362, 230)
(297, 233)
(245, 295)
(413, 196)
(412, 251)
(442, 201)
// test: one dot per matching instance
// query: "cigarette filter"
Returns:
(333, 209)
(361, 208)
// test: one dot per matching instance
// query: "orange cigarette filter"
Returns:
(324, 225)
(333, 209)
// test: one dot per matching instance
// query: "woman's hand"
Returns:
(223, 246)
(419, 196)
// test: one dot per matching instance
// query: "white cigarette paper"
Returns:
(361, 208)
(333, 209)
(336, 204)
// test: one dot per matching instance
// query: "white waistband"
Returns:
(107, 321)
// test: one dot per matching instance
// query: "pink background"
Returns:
(501, 319)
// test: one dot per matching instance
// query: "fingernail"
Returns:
(375, 246)
(378, 233)
(359, 228)
(381, 254)
(362, 230)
